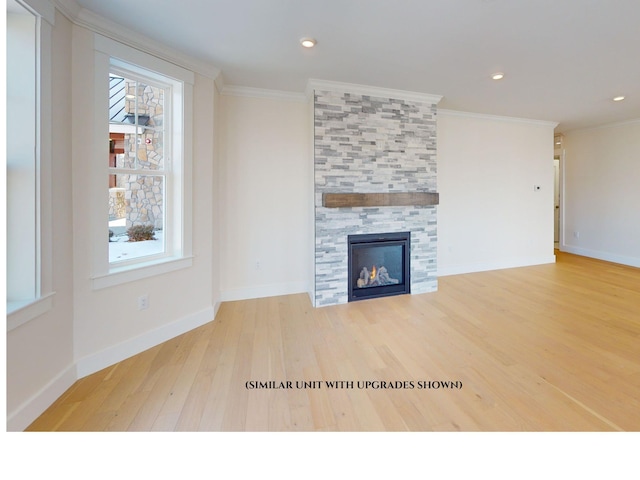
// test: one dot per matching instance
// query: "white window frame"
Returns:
(170, 167)
(21, 312)
(109, 55)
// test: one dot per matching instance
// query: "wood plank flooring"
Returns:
(544, 348)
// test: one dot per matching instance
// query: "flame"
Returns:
(373, 273)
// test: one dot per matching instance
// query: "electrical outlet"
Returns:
(143, 302)
(576, 234)
(257, 265)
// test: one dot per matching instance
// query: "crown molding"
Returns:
(96, 23)
(42, 8)
(218, 82)
(499, 118)
(240, 91)
(339, 87)
(633, 121)
(68, 8)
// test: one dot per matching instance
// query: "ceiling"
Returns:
(564, 60)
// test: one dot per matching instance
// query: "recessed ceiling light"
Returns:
(619, 98)
(497, 76)
(308, 42)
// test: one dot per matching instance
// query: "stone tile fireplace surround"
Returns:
(372, 142)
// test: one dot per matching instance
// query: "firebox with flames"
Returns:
(377, 277)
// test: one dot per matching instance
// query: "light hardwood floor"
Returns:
(543, 348)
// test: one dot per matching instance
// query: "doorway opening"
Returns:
(558, 159)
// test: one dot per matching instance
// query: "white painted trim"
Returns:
(116, 353)
(32, 408)
(219, 83)
(606, 125)
(239, 91)
(328, 85)
(26, 312)
(98, 24)
(45, 166)
(262, 291)
(107, 54)
(138, 271)
(499, 118)
(312, 299)
(183, 179)
(446, 270)
(41, 8)
(68, 8)
(19, 313)
(128, 56)
(599, 255)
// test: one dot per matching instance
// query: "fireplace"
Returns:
(379, 265)
(374, 170)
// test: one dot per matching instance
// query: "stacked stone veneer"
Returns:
(366, 144)
(144, 194)
(117, 205)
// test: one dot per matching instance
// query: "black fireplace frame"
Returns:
(392, 238)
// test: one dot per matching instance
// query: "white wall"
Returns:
(265, 191)
(489, 215)
(601, 204)
(252, 190)
(108, 326)
(87, 329)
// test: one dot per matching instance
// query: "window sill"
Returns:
(138, 271)
(19, 313)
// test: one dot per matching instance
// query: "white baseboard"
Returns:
(606, 256)
(31, 409)
(444, 270)
(116, 353)
(263, 291)
(26, 413)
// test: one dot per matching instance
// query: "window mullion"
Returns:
(136, 111)
(137, 171)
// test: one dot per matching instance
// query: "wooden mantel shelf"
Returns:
(400, 199)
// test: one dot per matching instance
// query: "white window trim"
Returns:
(110, 53)
(19, 313)
(23, 312)
(169, 170)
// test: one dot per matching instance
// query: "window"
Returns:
(138, 179)
(28, 146)
(22, 195)
(146, 180)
